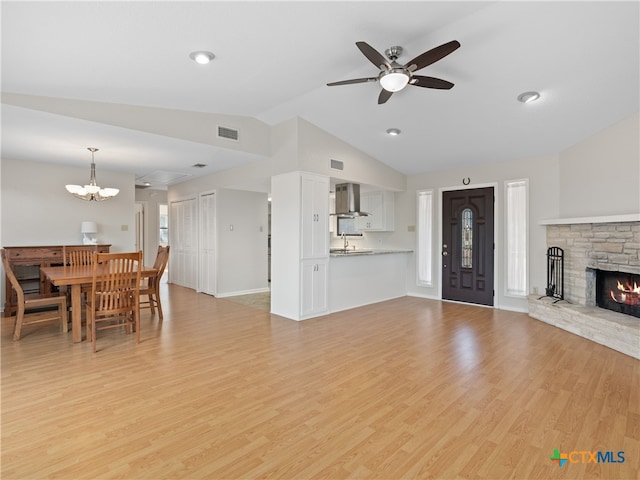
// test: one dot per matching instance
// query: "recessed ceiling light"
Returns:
(528, 97)
(394, 132)
(201, 57)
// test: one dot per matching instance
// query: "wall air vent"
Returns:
(337, 164)
(228, 133)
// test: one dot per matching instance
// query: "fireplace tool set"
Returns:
(555, 274)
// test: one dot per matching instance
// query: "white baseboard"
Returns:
(242, 292)
(364, 304)
(422, 295)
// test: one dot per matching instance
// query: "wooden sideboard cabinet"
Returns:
(26, 263)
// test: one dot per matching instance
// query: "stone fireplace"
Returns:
(599, 253)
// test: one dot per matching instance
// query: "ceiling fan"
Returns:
(393, 77)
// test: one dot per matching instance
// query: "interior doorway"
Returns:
(140, 227)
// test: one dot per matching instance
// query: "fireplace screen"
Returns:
(618, 291)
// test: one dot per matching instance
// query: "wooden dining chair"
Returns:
(114, 299)
(28, 302)
(151, 286)
(78, 254)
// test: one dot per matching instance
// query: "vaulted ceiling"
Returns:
(273, 61)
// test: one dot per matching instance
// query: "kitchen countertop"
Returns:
(367, 251)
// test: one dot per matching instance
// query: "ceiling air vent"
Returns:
(337, 165)
(228, 133)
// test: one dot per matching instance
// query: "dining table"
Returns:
(77, 276)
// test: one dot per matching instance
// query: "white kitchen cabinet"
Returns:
(380, 205)
(314, 216)
(313, 292)
(300, 244)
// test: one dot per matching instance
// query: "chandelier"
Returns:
(92, 192)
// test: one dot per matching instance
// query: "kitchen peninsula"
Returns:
(361, 277)
(308, 278)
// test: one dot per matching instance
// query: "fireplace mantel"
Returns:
(629, 217)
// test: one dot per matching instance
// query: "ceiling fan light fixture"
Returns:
(201, 57)
(394, 80)
(528, 97)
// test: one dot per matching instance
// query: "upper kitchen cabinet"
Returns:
(380, 206)
(314, 216)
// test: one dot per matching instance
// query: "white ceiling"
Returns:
(273, 60)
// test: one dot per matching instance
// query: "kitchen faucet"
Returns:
(344, 239)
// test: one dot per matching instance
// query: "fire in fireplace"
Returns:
(618, 291)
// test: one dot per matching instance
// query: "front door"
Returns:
(467, 245)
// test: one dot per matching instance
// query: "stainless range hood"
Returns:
(348, 201)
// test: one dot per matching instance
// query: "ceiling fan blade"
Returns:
(432, 56)
(384, 96)
(355, 80)
(373, 55)
(430, 82)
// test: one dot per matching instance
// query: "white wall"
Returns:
(286, 224)
(252, 176)
(242, 229)
(317, 148)
(200, 127)
(37, 210)
(284, 147)
(601, 175)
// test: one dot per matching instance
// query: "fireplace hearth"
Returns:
(605, 244)
(618, 291)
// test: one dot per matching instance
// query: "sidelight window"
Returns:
(516, 203)
(163, 220)
(425, 238)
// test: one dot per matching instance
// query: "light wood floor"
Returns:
(409, 388)
(260, 300)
